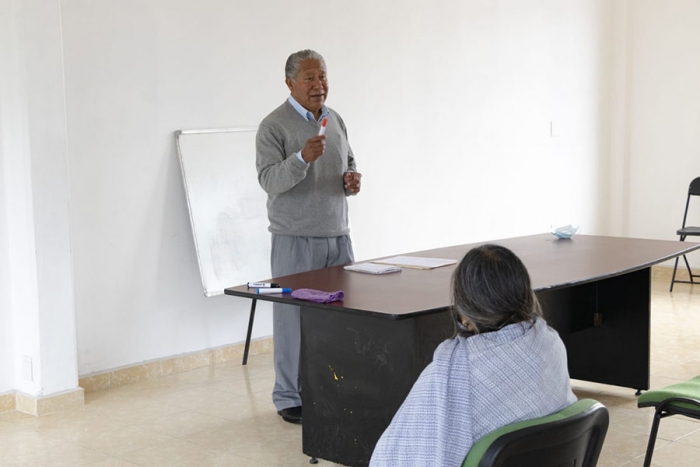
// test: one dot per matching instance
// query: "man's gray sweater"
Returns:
(303, 199)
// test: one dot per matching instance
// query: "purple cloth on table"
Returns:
(318, 295)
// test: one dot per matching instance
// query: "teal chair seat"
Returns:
(676, 399)
(571, 437)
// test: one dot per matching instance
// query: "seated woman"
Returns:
(504, 365)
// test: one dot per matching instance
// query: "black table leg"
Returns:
(250, 330)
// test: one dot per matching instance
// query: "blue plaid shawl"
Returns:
(473, 386)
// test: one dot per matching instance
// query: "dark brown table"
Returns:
(361, 356)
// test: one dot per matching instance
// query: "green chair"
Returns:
(571, 437)
(676, 399)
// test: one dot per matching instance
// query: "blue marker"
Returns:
(275, 290)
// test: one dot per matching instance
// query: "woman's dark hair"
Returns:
(490, 289)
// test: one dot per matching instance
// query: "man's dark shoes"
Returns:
(291, 415)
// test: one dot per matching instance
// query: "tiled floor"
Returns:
(222, 415)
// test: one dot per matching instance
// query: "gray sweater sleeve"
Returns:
(277, 172)
(351, 157)
(351, 168)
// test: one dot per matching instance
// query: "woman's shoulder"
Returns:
(447, 348)
(511, 336)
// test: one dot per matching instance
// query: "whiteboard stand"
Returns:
(227, 209)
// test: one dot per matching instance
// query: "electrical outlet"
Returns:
(27, 368)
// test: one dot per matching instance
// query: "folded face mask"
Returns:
(566, 231)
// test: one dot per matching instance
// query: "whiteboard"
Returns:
(227, 206)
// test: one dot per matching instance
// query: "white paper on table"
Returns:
(416, 262)
(371, 268)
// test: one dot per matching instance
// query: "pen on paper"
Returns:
(261, 285)
(275, 290)
(322, 130)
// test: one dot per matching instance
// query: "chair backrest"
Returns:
(571, 437)
(693, 190)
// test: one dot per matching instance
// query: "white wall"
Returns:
(616, 97)
(8, 146)
(448, 106)
(136, 72)
(664, 116)
(46, 121)
(465, 152)
(37, 305)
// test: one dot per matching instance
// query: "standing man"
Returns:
(307, 176)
